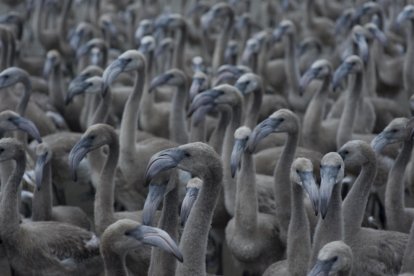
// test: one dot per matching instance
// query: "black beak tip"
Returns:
(74, 176)
(146, 221)
(67, 100)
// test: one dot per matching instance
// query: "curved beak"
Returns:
(78, 152)
(360, 12)
(195, 7)
(111, 27)
(328, 179)
(278, 34)
(76, 87)
(343, 22)
(156, 237)
(322, 268)
(242, 86)
(309, 185)
(379, 142)
(113, 71)
(224, 77)
(162, 22)
(5, 82)
(206, 98)
(236, 155)
(188, 202)
(162, 161)
(27, 126)
(340, 73)
(362, 47)
(142, 31)
(380, 36)
(302, 48)
(39, 168)
(310, 75)
(231, 51)
(155, 196)
(75, 39)
(83, 50)
(207, 19)
(144, 48)
(261, 131)
(247, 54)
(195, 88)
(47, 68)
(200, 113)
(403, 16)
(160, 50)
(159, 81)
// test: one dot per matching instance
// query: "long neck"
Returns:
(221, 44)
(12, 52)
(5, 168)
(229, 183)
(193, 242)
(5, 51)
(102, 111)
(245, 213)
(42, 198)
(163, 263)
(409, 60)
(114, 264)
(309, 13)
(263, 61)
(252, 114)
(394, 193)
(88, 105)
(178, 128)
(282, 184)
(197, 132)
(357, 199)
(96, 158)
(36, 19)
(104, 197)
(371, 73)
(147, 103)
(408, 264)
(42, 16)
(331, 228)
(93, 108)
(292, 70)
(217, 137)
(129, 121)
(298, 240)
(24, 101)
(179, 51)
(346, 124)
(56, 89)
(312, 121)
(9, 212)
(63, 22)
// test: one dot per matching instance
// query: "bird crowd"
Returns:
(192, 137)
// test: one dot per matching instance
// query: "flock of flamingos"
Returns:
(194, 137)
